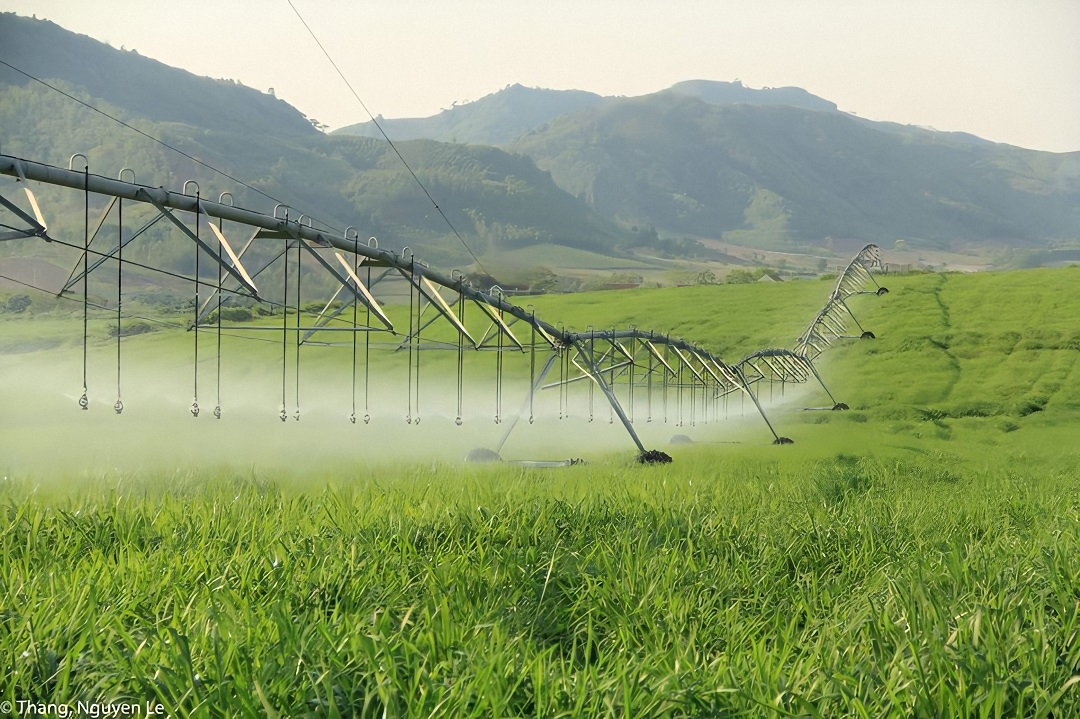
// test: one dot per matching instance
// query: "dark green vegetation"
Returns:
(784, 177)
(496, 199)
(672, 174)
(916, 556)
(776, 168)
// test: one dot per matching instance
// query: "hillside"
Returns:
(775, 168)
(495, 119)
(141, 86)
(503, 116)
(501, 200)
(735, 93)
(686, 175)
(498, 201)
(788, 178)
(964, 365)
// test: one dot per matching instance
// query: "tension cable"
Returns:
(532, 366)
(419, 327)
(592, 367)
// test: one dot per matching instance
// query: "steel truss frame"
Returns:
(830, 324)
(608, 359)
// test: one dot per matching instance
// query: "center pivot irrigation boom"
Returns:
(828, 325)
(601, 358)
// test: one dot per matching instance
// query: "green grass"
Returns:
(916, 556)
(855, 586)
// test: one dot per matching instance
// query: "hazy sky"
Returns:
(1007, 70)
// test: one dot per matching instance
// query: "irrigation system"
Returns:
(290, 247)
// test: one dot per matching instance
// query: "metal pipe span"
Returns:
(49, 174)
(285, 226)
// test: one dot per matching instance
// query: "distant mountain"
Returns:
(786, 177)
(735, 93)
(501, 200)
(494, 119)
(666, 174)
(141, 86)
(774, 167)
(497, 200)
(503, 116)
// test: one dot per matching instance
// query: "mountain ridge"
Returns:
(501, 117)
(107, 73)
(802, 175)
(674, 174)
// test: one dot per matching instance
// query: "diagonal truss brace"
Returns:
(597, 373)
(428, 289)
(496, 318)
(238, 276)
(360, 290)
(204, 310)
(536, 385)
(246, 278)
(77, 277)
(326, 316)
(37, 226)
(353, 283)
(795, 363)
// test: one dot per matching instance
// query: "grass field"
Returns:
(916, 556)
